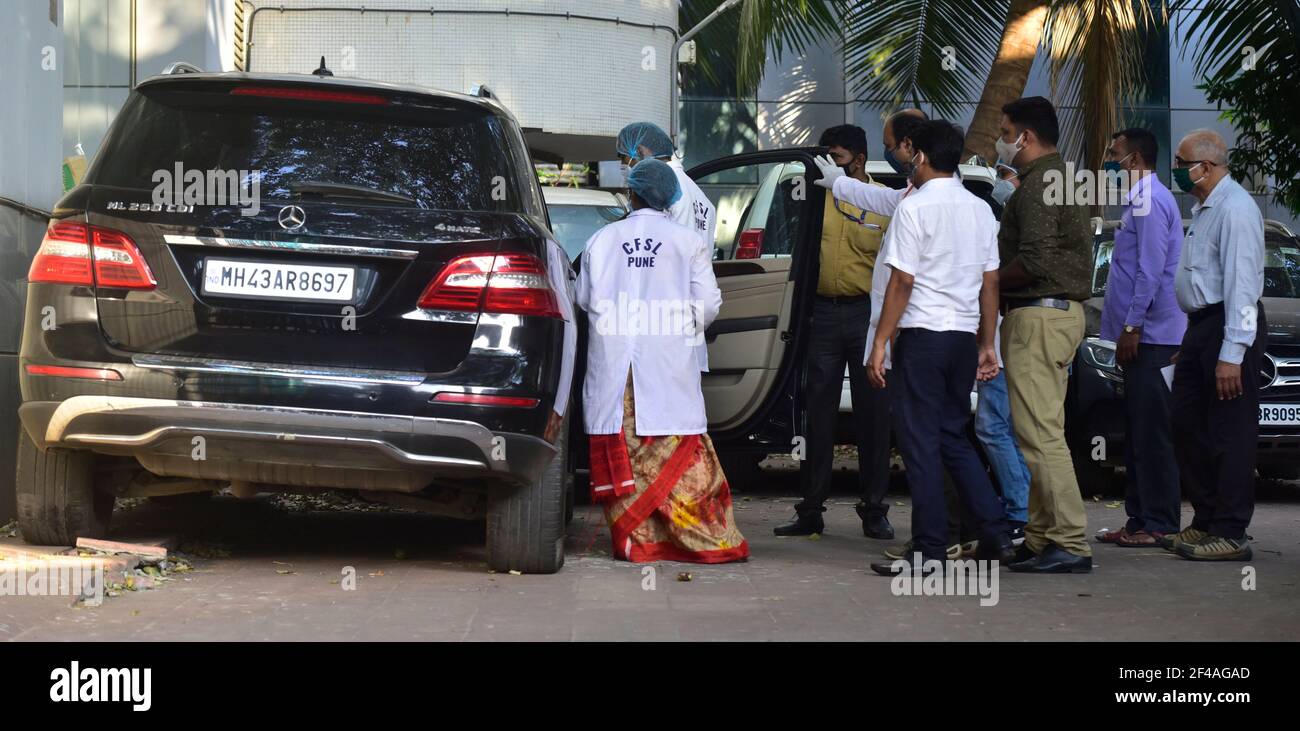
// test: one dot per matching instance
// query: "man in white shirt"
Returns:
(993, 416)
(647, 141)
(941, 303)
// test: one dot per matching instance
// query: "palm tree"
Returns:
(942, 50)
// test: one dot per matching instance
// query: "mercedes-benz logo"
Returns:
(291, 218)
(1267, 371)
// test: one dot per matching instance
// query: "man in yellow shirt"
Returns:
(841, 314)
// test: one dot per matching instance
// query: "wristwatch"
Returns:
(1130, 329)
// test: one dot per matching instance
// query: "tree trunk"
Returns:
(1007, 76)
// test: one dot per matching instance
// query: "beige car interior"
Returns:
(757, 293)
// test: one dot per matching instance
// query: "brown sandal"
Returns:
(1139, 539)
(1111, 536)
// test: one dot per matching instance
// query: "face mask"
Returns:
(1008, 150)
(899, 167)
(1183, 177)
(1115, 166)
(1002, 191)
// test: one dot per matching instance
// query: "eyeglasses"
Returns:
(1181, 163)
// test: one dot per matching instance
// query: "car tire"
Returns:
(57, 499)
(1096, 479)
(1280, 471)
(525, 525)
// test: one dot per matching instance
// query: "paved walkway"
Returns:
(267, 572)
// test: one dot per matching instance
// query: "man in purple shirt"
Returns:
(1141, 315)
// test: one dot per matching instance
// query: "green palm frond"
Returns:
(1098, 54)
(739, 43)
(1229, 27)
(939, 50)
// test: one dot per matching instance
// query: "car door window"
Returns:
(760, 208)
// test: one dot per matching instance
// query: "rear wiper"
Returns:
(342, 190)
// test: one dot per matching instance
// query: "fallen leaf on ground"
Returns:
(685, 576)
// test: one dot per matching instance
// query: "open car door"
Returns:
(769, 226)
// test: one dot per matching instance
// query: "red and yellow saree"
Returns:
(665, 497)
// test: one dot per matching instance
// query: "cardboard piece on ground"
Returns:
(139, 549)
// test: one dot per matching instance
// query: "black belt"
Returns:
(1214, 310)
(1053, 302)
(1205, 313)
(850, 300)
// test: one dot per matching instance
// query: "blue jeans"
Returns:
(993, 428)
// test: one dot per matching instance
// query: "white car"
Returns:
(577, 213)
(883, 172)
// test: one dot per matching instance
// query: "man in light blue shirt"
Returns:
(1215, 407)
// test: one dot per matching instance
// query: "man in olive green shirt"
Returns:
(1045, 247)
(841, 315)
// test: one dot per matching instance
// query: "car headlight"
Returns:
(1100, 354)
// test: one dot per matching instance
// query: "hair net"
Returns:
(654, 183)
(644, 134)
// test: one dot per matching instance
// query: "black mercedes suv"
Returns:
(296, 282)
(1095, 406)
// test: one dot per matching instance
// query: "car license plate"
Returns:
(1279, 414)
(278, 281)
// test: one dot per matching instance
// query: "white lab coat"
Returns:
(647, 285)
(695, 211)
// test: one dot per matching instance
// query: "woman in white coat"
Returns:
(647, 285)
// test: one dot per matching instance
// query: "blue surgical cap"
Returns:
(644, 134)
(654, 183)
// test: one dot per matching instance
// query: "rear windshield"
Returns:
(574, 224)
(447, 158)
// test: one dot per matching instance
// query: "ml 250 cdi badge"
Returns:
(300, 282)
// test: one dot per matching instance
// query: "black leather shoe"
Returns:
(1054, 560)
(905, 566)
(996, 549)
(875, 526)
(1023, 554)
(803, 525)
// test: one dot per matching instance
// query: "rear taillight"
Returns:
(67, 252)
(750, 245)
(513, 284)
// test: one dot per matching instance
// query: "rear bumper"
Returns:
(287, 446)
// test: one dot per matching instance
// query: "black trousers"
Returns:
(1151, 496)
(933, 373)
(1215, 440)
(839, 339)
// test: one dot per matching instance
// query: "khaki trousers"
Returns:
(1038, 345)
